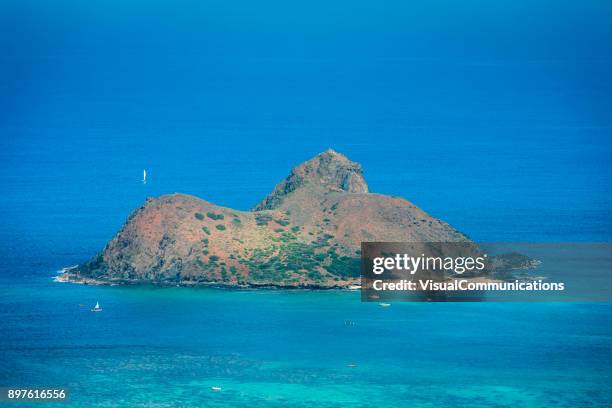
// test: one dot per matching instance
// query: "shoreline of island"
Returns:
(64, 276)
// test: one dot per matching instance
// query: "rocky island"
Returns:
(306, 233)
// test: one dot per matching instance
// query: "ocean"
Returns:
(494, 118)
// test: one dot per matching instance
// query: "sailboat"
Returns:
(144, 176)
(96, 308)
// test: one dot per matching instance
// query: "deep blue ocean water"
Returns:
(496, 118)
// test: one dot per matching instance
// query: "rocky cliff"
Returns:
(306, 233)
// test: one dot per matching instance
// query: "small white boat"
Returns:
(96, 308)
(215, 388)
(354, 287)
(384, 304)
(144, 176)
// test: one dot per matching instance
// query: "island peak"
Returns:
(328, 171)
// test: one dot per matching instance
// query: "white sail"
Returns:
(97, 306)
(144, 176)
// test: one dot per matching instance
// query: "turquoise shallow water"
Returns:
(157, 346)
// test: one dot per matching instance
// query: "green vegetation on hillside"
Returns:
(262, 219)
